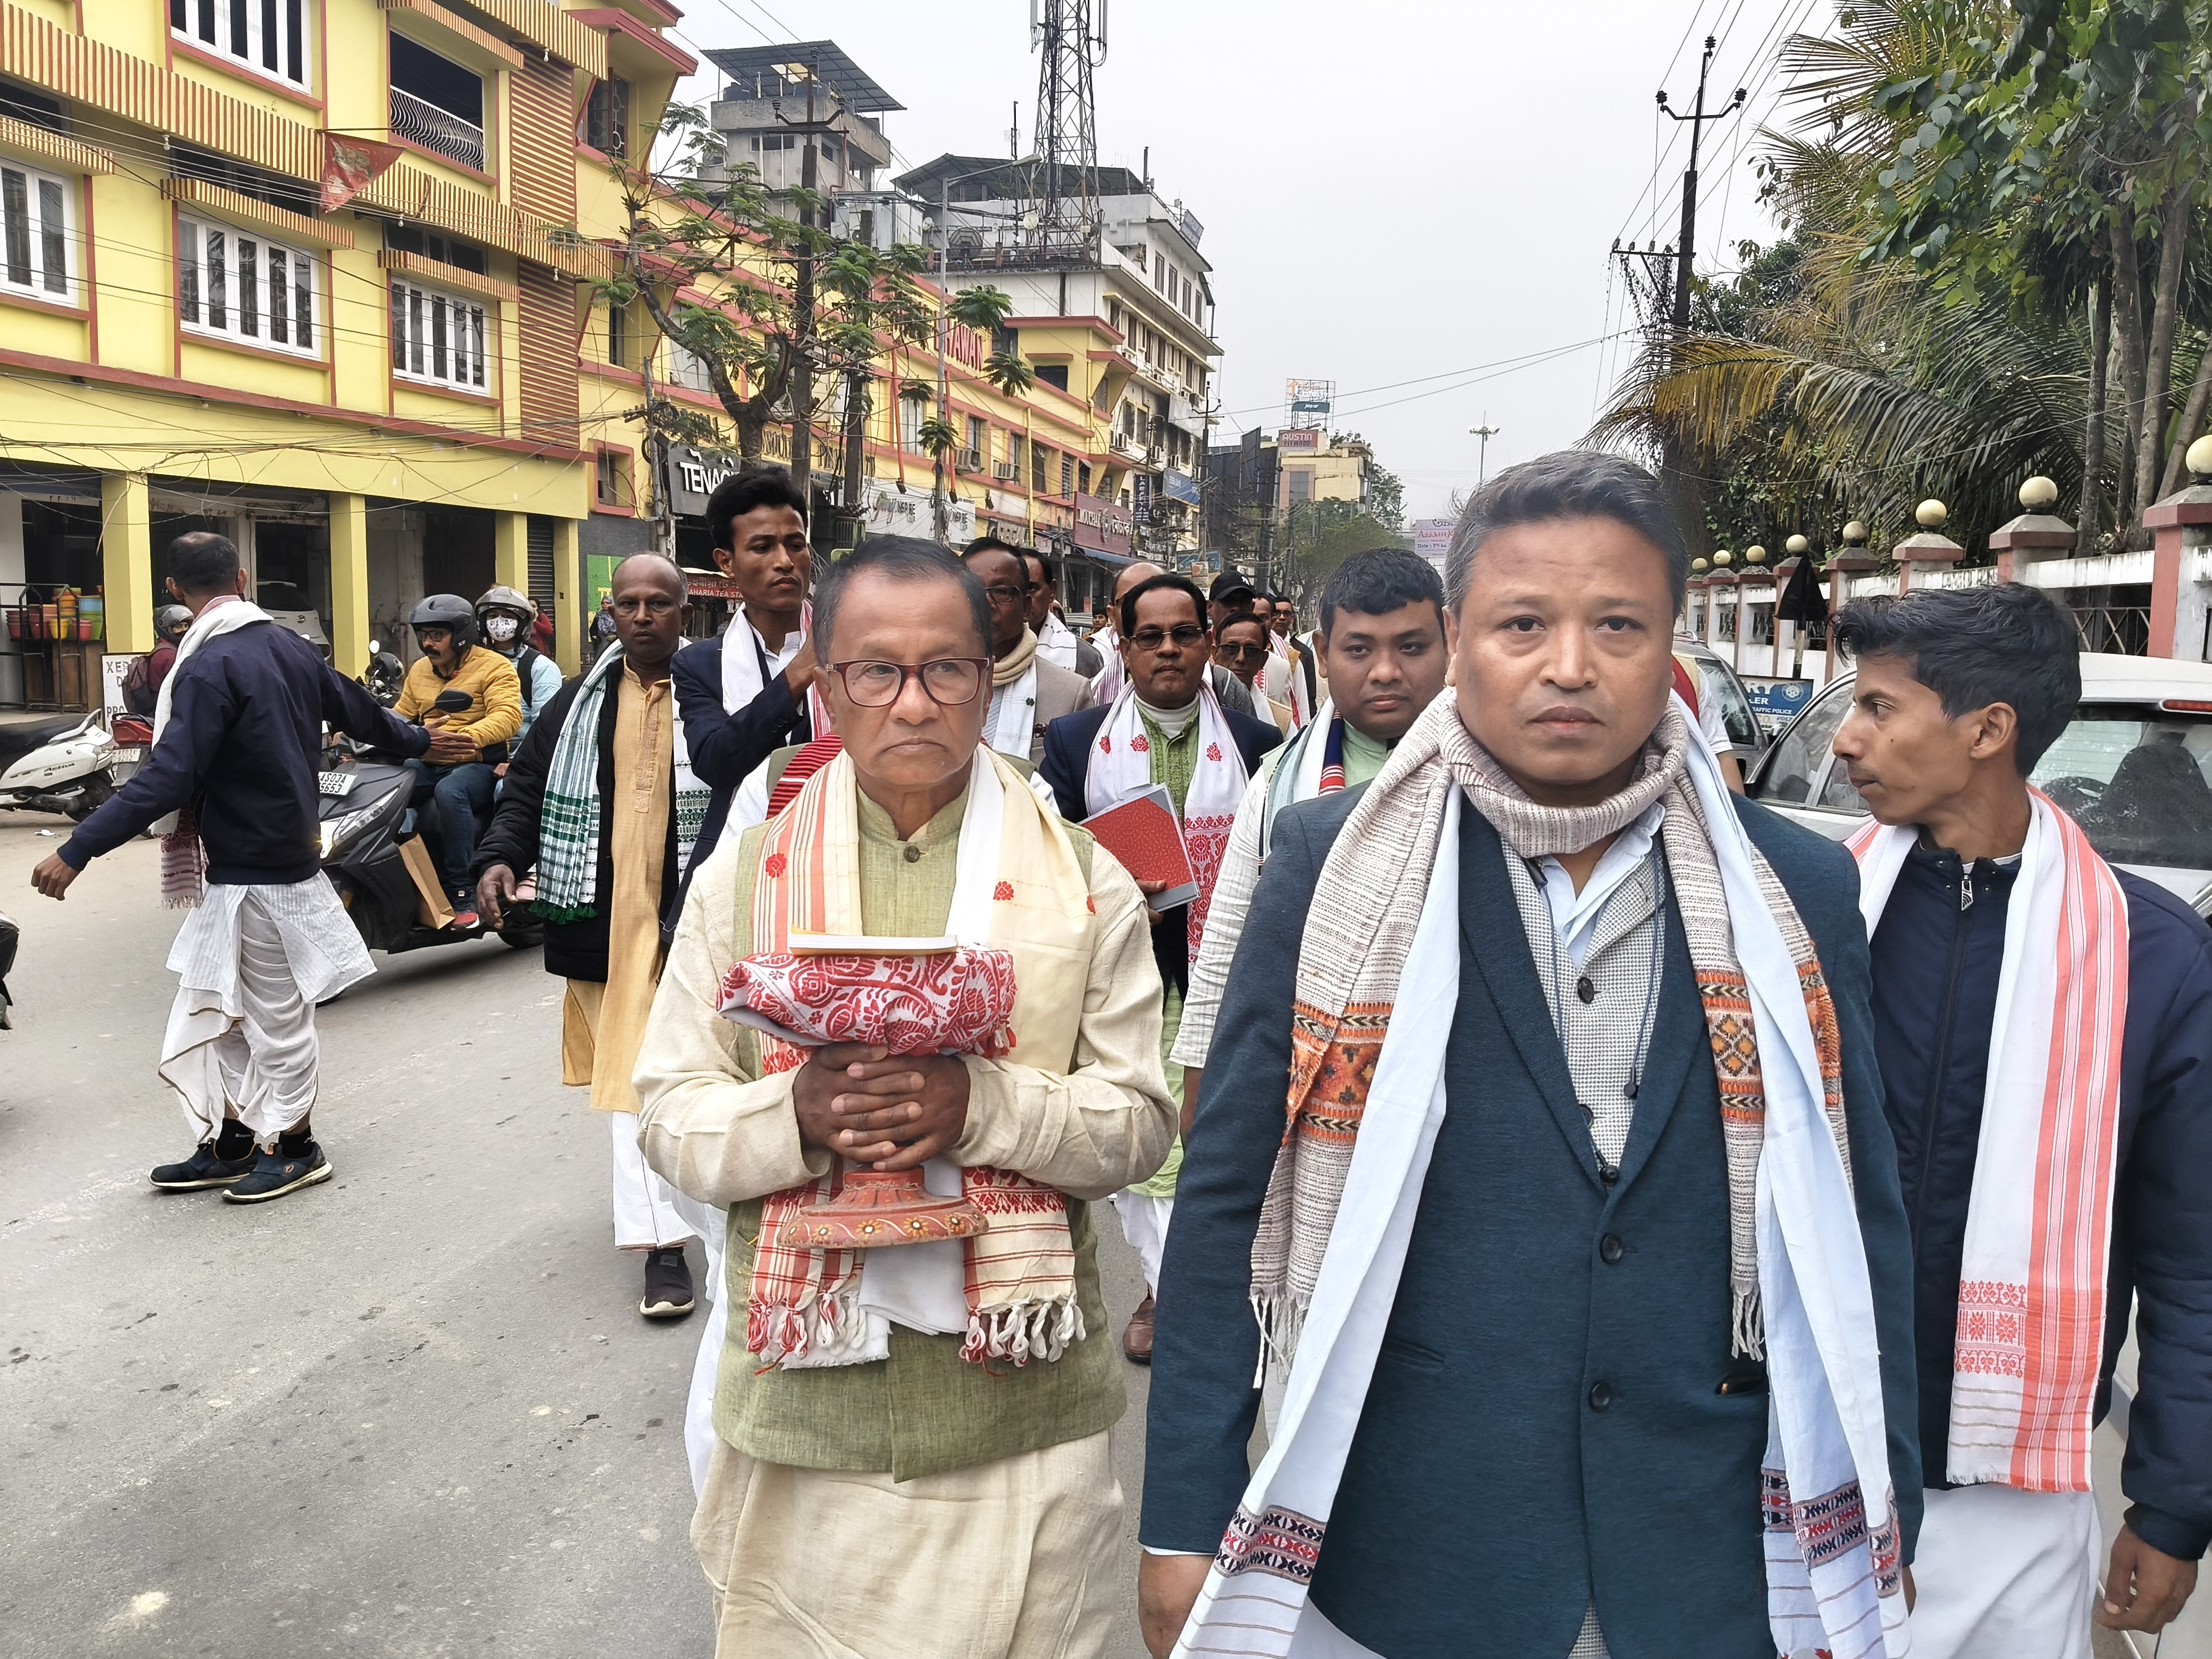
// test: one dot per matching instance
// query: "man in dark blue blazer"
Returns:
(1166, 668)
(1560, 1448)
(758, 519)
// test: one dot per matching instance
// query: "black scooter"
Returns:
(9, 933)
(364, 803)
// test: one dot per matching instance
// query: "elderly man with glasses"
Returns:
(1028, 690)
(1167, 726)
(910, 1443)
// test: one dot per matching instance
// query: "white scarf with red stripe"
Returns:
(2039, 1218)
(1121, 766)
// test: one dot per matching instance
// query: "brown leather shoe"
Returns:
(1137, 1340)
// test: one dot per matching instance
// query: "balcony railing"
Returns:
(440, 131)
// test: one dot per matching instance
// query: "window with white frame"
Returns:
(442, 339)
(269, 36)
(687, 369)
(240, 285)
(36, 233)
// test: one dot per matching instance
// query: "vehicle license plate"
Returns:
(134, 752)
(336, 783)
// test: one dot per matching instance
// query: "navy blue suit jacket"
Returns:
(1491, 1490)
(1067, 742)
(726, 748)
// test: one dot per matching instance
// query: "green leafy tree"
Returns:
(792, 311)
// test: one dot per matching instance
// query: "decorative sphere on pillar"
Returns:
(1931, 514)
(1723, 558)
(1698, 567)
(2199, 458)
(2038, 493)
(1855, 534)
(1755, 553)
(1798, 546)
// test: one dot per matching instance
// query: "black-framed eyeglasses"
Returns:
(1241, 651)
(949, 682)
(1000, 593)
(1189, 636)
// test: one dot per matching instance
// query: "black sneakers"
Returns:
(206, 1167)
(667, 1285)
(278, 1170)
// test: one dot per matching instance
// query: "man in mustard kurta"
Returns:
(911, 1447)
(600, 800)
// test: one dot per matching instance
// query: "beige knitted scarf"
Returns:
(1360, 928)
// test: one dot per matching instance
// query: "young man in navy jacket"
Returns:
(236, 750)
(2058, 1167)
(742, 695)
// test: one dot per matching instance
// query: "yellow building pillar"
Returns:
(349, 585)
(126, 559)
(568, 596)
(510, 551)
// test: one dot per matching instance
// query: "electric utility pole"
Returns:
(802, 303)
(1686, 247)
(1686, 489)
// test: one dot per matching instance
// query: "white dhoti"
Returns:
(649, 1213)
(1144, 1225)
(253, 962)
(2005, 1574)
(1018, 1559)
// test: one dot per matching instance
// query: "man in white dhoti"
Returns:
(2043, 1023)
(236, 736)
(911, 1448)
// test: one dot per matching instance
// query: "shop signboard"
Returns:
(1179, 487)
(1140, 488)
(886, 510)
(693, 475)
(1298, 437)
(1102, 526)
(1432, 540)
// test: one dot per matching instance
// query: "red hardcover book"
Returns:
(1143, 834)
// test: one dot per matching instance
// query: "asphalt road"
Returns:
(410, 1412)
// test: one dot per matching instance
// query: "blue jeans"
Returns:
(460, 791)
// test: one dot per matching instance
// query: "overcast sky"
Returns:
(1398, 196)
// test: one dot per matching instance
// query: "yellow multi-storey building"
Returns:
(375, 398)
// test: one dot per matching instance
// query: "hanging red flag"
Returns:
(350, 164)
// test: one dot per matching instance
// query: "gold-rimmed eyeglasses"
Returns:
(949, 682)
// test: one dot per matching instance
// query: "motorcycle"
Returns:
(73, 772)
(363, 816)
(384, 676)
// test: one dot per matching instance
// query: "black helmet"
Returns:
(449, 610)
(171, 621)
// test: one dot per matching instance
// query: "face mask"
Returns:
(500, 628)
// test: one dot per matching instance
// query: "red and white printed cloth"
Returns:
(1121, 766)
(1020, 891)
(957, 1002)
(2039, 1216)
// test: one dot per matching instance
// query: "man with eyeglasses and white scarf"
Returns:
(910, 1450)
(1167, 726)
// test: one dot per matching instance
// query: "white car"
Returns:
(2134, 769)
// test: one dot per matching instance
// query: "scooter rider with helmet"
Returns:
(506, 617)
(454, 660)
(142, 687)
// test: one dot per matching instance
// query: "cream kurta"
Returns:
(981, 1517)
(608, 1020)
